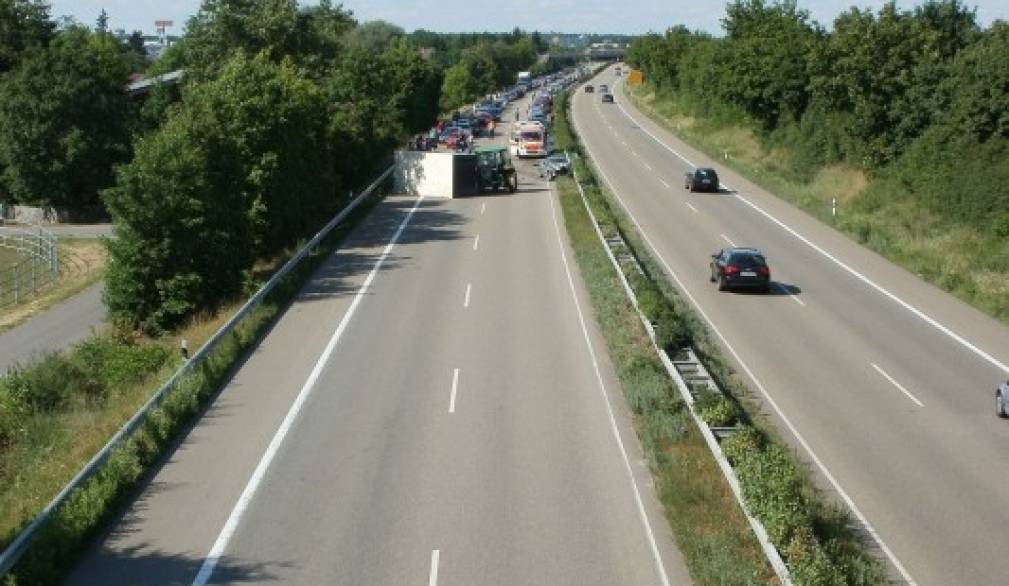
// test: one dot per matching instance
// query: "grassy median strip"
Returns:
(709, 527)
(815, 538)
(57, 412)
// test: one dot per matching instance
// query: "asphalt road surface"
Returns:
(431, 410)
(55, 329)
(882, 382)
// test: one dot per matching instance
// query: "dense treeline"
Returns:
(917, 97)
(479, 63)
(283, 110)
(275, 125)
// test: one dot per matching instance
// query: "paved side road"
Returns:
(428, 411)
(56, 329)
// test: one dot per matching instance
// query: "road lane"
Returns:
(522, 484)
(925, 477)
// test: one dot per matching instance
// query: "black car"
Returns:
(589, 89)
(607, 98)
(740, 268)
(701, 179)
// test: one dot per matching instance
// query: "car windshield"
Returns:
(705, 174)
(530, 135)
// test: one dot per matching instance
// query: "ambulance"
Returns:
(528, 139)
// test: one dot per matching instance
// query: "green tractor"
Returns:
(495, 169)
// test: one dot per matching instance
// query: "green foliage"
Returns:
(25, 27)
(484, 68)
(765, 59)
(63, 120)
(375, 36)
(275, 28)
(717, 410)
(183, 233)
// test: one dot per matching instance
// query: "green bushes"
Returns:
(814, 539)
(57, 382)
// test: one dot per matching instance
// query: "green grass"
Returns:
(814, 537)
(60, 411)
(968, 262)
(710, 529)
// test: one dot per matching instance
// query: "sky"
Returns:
(597, 16)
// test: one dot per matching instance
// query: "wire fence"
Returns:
(33, 263)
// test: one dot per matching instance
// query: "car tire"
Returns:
(1000, 406)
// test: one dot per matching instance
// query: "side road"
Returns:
(55, 329)
(62, 325)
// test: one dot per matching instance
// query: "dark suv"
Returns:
(589, 89)
(607, 98)
(701, 179)
(740, 267)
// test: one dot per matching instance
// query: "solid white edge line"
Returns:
(207, 568)
(763, 390)
(914, 310)
(896, 384)
(653, 545)
(476, 243)
(455, 388)
(726, 238)
(435, 560)
(469, 288)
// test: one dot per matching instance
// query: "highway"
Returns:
(883, 383)
(436, 407)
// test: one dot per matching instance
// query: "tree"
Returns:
(376, 36)
(102, 23)
(25, 26)
(182, 238)
(242, 167)
(63, 120)
(766, 53)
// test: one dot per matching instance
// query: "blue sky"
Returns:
(615, 16)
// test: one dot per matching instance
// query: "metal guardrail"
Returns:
(17, 548)
(37, 266)
(770, 551)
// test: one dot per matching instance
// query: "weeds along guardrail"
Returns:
(37, 266)
(615, 245)
(154, 424)
(806, 541)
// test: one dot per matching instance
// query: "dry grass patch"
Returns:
(82, 264)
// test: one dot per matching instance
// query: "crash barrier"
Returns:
(17, 548)
(36, 266)
(691, 378)
(436, 174)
